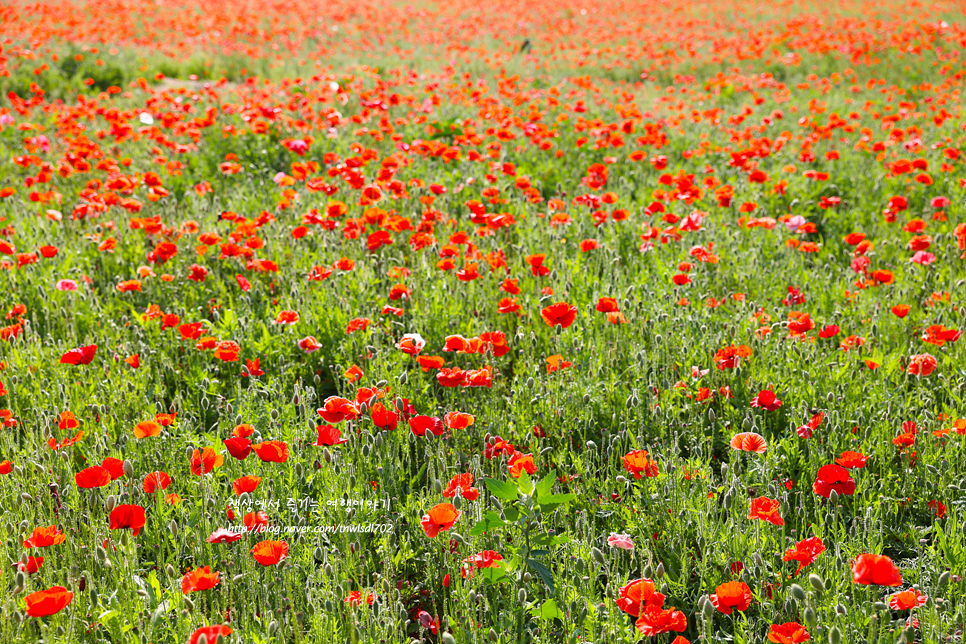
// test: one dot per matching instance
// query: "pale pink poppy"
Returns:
(66, 285)
(622, 541)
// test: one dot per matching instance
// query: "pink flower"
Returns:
(923, 258)
(794, 223)
(766, 399)
(309, 344)
(939, 202)
(224, 535)
(66, 285)
(622, 541)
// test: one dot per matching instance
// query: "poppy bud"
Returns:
(648, 571)
(458, 501)
(708, 610)
(190, 604)
(272, 627)
(274, 414)
(110, 502)
(660, 570)
(527, 577)
(522, 595)
(173, 529)
(791, 606)
(809, 616)
(493, 635)
(841, 609)
(437, 486)
(598, 556)
(816, 582)
(880, 606)
(403, 378)
(129, 469)
(797, 592)
(943, 579)
(327, 455)
(586, 399)
(448, 639)
(833, 497)
(352, 481)
(21, 579)
(591, 445)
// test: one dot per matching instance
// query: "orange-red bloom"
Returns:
(875, 569)
(441, 517)
(48, 602)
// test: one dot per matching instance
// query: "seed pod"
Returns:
(598, 556)
(708, 609)
(816, 582)
(834, 634)
(809, 616)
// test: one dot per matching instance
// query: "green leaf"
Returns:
(502, 489)
(549, 610)
(525, 483)
(489, 521)
(555, 500)
(545, 486)
(545, 574)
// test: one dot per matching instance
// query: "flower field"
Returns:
(463, 322)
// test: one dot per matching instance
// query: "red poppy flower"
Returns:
(875, 569)
(732, 595)
(749, 442)
(245, 484)
(128, 516)
(479, 561)
(560, 313)
(907, 599)
(92, 477)
(922, 364)
(441, 517)
(462, 483)
(269, 553)
(654, 621)
(788, 633)
(638, 464)
(239, 448)
(203, 461)
(336, 410)
(767, 510)
(44, 537)
(32, 566)
(48, 602)
(256, 521)
(210, 633)
(155, 481)
(419, 425)
(199, 579)
(328, 435)
(805, 552)
(271, 451)
(114, 466)
(637, 595)
(80, 355)
(766, 399)
(833, 477)
(520, 463)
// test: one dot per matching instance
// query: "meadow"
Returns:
(467, 322)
